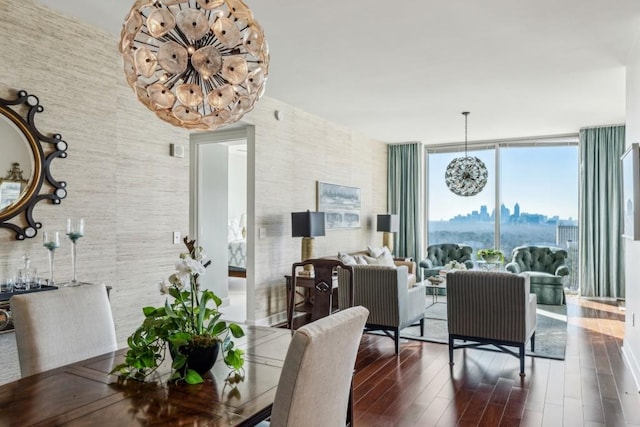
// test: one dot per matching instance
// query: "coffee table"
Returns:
(434, 283)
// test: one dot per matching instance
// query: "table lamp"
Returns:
(307, 225)
(388, 224)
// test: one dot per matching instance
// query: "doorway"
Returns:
(222, 216)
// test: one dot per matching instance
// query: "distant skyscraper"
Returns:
(484, 213)
(516, 211)
(504, 213)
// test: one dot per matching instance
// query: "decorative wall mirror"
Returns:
(26, 155)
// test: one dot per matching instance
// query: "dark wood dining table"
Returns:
(84, 393)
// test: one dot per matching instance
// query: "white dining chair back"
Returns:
(316, 376)
(58, 327)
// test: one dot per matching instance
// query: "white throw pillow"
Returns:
(370, 260)
(385, 258)
(360, 259)
(346, 258)
(376, 251)
(234, 231)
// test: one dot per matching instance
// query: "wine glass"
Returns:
(75, 230)
(51, 241)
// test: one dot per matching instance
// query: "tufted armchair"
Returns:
(441, 254)
(546, 267)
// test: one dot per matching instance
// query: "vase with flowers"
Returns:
(491, 255)
(189, 328)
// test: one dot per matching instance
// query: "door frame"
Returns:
(246, 132)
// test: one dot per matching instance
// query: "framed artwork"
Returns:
(631, 192)
(340, 204)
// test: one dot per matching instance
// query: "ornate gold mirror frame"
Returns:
(38, 184)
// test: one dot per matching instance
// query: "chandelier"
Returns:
(466, 176)
(198, 64)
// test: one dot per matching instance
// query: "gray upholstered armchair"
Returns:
(491, 308)
(385, 292)
(443, 253)
(546, 267)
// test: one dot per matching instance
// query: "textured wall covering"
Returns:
(291, 156)
(132, 194)
(119, 174)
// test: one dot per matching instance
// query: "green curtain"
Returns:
(404, 197)
(601, 213)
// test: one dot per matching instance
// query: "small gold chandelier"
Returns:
(198, 64)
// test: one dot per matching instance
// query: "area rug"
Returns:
(551, 329)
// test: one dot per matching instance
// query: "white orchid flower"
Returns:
(164, 287)
(195, 266)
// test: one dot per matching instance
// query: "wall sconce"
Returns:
(388, 224)
(307, 225)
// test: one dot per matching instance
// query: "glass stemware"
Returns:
(51, 241)
(75, 230)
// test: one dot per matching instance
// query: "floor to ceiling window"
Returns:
(456, 219)
(536, 202)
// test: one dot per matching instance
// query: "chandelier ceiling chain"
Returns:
(198, 64)
(466, 116)
(466, 176)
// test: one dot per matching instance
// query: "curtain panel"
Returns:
(601, 214)
(405, 192)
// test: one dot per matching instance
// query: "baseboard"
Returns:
(632, 363)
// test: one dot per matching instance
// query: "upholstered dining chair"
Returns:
(63, 326)
(315, 385)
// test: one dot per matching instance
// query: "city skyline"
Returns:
(545, 178)
(518, 216)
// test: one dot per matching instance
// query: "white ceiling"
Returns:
(404, 70)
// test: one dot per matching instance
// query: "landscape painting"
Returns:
(340, 204)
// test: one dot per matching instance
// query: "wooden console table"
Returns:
(307, 302)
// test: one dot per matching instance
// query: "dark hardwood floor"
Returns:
(591, 387)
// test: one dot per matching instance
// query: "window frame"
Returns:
(496, 145)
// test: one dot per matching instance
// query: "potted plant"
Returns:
(491, 255)
(189, 327)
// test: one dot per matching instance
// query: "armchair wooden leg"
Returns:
(396, 339)
(522, 354)
(422, 327)
(533, 342)
(450, 350)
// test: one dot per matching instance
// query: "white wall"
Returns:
(237, 183)
(631, 345)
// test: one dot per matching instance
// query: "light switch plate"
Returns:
(177, 150)
(176, 237)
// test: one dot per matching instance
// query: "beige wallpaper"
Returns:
(132, 194)
(292, 154)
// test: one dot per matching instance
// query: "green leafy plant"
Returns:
(190, 320)
(491, 253)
